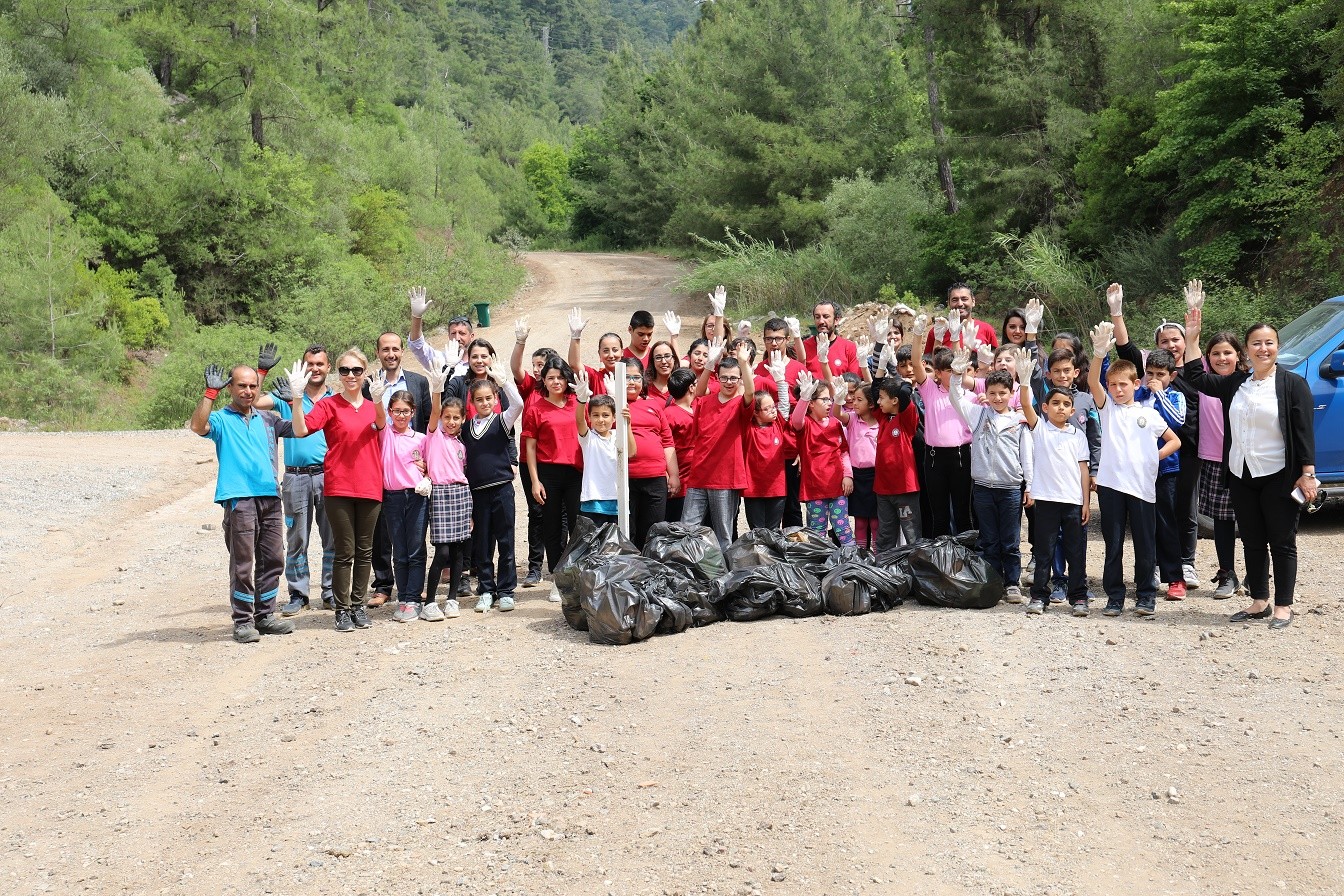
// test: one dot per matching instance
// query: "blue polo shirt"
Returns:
(312, 448)
(245, 448)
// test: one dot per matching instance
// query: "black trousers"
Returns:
(1056, 522)
(793, 509)
(450, 555)
(536, 543)
(764, 513)
(1118, 508)
(1267, 518)
(383, 576)
(1187, 505)
(947, 479)
(563, 485)
(648, 505)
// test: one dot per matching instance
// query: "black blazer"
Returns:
(418, 386)
(1296, 407)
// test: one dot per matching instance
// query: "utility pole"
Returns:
(546, 40)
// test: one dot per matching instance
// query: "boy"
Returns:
(1125, 478)
(896, 481)
(1059, 490)
(597, 500)
(1161, 395)
(1000, 467)
(681, 419)
(641, 337)
(714, 485)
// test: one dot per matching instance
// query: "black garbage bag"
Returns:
(589, 545)
(759, 591)
(947, 573)
(692, 549)
(625, 599)
(699, 598)
(759, 547)
(809, 550)
(857, 587)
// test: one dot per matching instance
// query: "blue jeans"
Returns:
(304, 506)
(999, 513)
(407, 516)
(719, 504)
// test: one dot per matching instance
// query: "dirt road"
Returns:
(921, 751)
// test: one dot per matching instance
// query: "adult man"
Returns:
(245, 487)
(397, 379)
(841, 355)
(459, 332)
(301, 489)
(961, 299)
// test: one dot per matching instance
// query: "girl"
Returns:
(698, 356)
(353, 478)
(859, 418)
(598, 498)
(680, 415)
(449, 502)
(896, 484)
(827, 478)
(653, 473)
(768, 444)
(490, 475)
(554, 463)
(405, 508)
(1014, 332)
(663, 356)
(610, 347)
(947, 459)
(1224, 356)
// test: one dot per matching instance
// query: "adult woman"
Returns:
(1269, 450)
(480, 357)
(554, 462)
(653, 468)
(353, 477)
(663, 360)
(697, 357)
(1223, 355)
(1014, 330)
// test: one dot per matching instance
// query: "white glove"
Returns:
(794, 330)
(609, 383)
(807, 386)
(716, 347)
(777, 367)
(424, 487)
(672, 322)
(954, 328)
(1115, 299)
(377, 386)
(919, 329)
(744, 329)
(823, 347)
(961, 361)
(717, 299)
(522, 328)
(298, 377)
(864, 350)
(1025, 366)
(499, 372)
(452, 354)
(841, 387)
(878, 327)
(939, 330)
(581, 390)
(1194, 294)
(437, 378)
(576, 324)
(418, 302)
(1103, 339)
(1033, 314)
(984, 356)
(902, 308)
(886, 359)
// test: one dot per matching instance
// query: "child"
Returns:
(767, 445)
(714, 485)
(529, 386)
(681, 419)
(827, 477)
(653, 469)
(905, 369)
(1059, 490)
(1126, 476)
(449, 502)
(490, 476)
(641, 334)
(610, 349)
(405, 507)
(859, 418)
(896, 484)
(947, 461)
(551, 455)
(1162, 397)
(1000, 466)
(598, 498)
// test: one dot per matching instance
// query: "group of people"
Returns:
(926, 428)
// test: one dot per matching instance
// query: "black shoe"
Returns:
(1277, 623)
(274, 625)
(246, 633)
(360, 617)
(533, 577)
(464, 587)
(343, 621)
(1244, 615)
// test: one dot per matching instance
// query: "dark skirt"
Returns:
(1215, 498)
(450, 513)
(863, 503)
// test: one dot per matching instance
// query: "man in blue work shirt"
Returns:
(301, 489)
(245, 487)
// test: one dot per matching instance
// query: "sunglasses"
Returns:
(350, 371)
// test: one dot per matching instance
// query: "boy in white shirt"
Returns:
(1127, 476)
(597, 497)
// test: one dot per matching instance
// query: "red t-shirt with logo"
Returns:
(652, 435)
(720, 429)
(767, 449)
(896, 473)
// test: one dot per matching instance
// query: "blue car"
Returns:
(1313, 347)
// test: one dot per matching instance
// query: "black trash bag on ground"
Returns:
(759, 591)
(856, 587)
(589, 545)
(949, 574)
(692, 549)
(809, 550)
(699, 597)
(624, 598)
(759, 547)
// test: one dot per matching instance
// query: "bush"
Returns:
(763, 279)
(872, 226)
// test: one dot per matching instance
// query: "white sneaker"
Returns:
(406, 612)
(1191, 577)
(554, 596)
(1013, 594)
(431, 612)
(450, 609)
(484, 601)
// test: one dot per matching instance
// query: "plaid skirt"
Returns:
(450, 513)
(1215, 498)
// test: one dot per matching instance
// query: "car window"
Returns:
(1301, 338)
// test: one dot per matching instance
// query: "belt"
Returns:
(311, 468)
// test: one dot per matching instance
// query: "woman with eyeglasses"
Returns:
(663, 360)
(353, 476)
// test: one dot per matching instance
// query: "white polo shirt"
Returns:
(1129, 447)
(1057, 453)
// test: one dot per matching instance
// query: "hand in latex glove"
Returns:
(939, 330)
(298, 377)
(717, 300)
(1024, 365)
(377, 385)
(1033, 314)
(522, 328)
(1194, 294)
(1115, 299)
(984, 356)
(438, 378)
(823, 347)
(961, 361)
(1103, 339)
(954, 329)
(576, 324)
(216, 378)
(794, 330)
(777, 366)
(886, 360)
(282, 391)
(424, 488)
(877, 328)
(807, 386)
(744, 329)
(919, 329)
(418, 302)
(581, 390)
(902, 308)
(863, 350)
(499, 372)
(672, 322)
(841, 387)
(267, 359)
(716, 348)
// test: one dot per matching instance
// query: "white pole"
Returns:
(622, 458)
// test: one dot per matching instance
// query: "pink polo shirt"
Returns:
(445, 458)
(862, 441)
(943, 426)
(400, 451)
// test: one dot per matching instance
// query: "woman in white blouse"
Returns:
(1268, 450)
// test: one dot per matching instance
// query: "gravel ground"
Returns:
(921, 751)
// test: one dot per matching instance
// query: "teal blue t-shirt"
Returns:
(245, 448)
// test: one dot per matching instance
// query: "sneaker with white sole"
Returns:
(1227, 584)
(1080, 608)
(1013, 594)
(554, 596)
(406, 612)
(1036, 607)
(431, 612)
(1191, 577)
(484, 602)
(450, 608)
(506, 603)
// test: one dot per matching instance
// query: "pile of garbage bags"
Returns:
(620, 595)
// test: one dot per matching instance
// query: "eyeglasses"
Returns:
(771, 340)
(825, 400)
(730, 380)
(664, 357)
(401, 412)
(350, 371)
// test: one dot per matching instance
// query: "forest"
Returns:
(179, 178)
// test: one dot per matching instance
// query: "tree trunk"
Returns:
(936, 120)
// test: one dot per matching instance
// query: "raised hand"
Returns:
(1025, 365)
(939, 330)
(609, 383)
(743, 356)
(841, 387)
(823, 347)
(418, 302)
(795, 331)
(377, 385)
(961, 361)
(267, 359)
(716, 348)
(499, 372)
(1033, 314)
(886, 359)
(452, 354)
(522, 328)
(954, 328)
(807, 386)
(877, 328)
(672, 322)
(581, 389)
(437, 378)
(216, 378)
(281, 389)
(1194, 294)
(576, 324)
(777, 366)
(902, 308)
(297, 377)
(1103, 339)
(863, 349)
(1115, 299)
(717, 299)
(1194, 323)
(919, 329)
(984, 356)
(744, 329)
